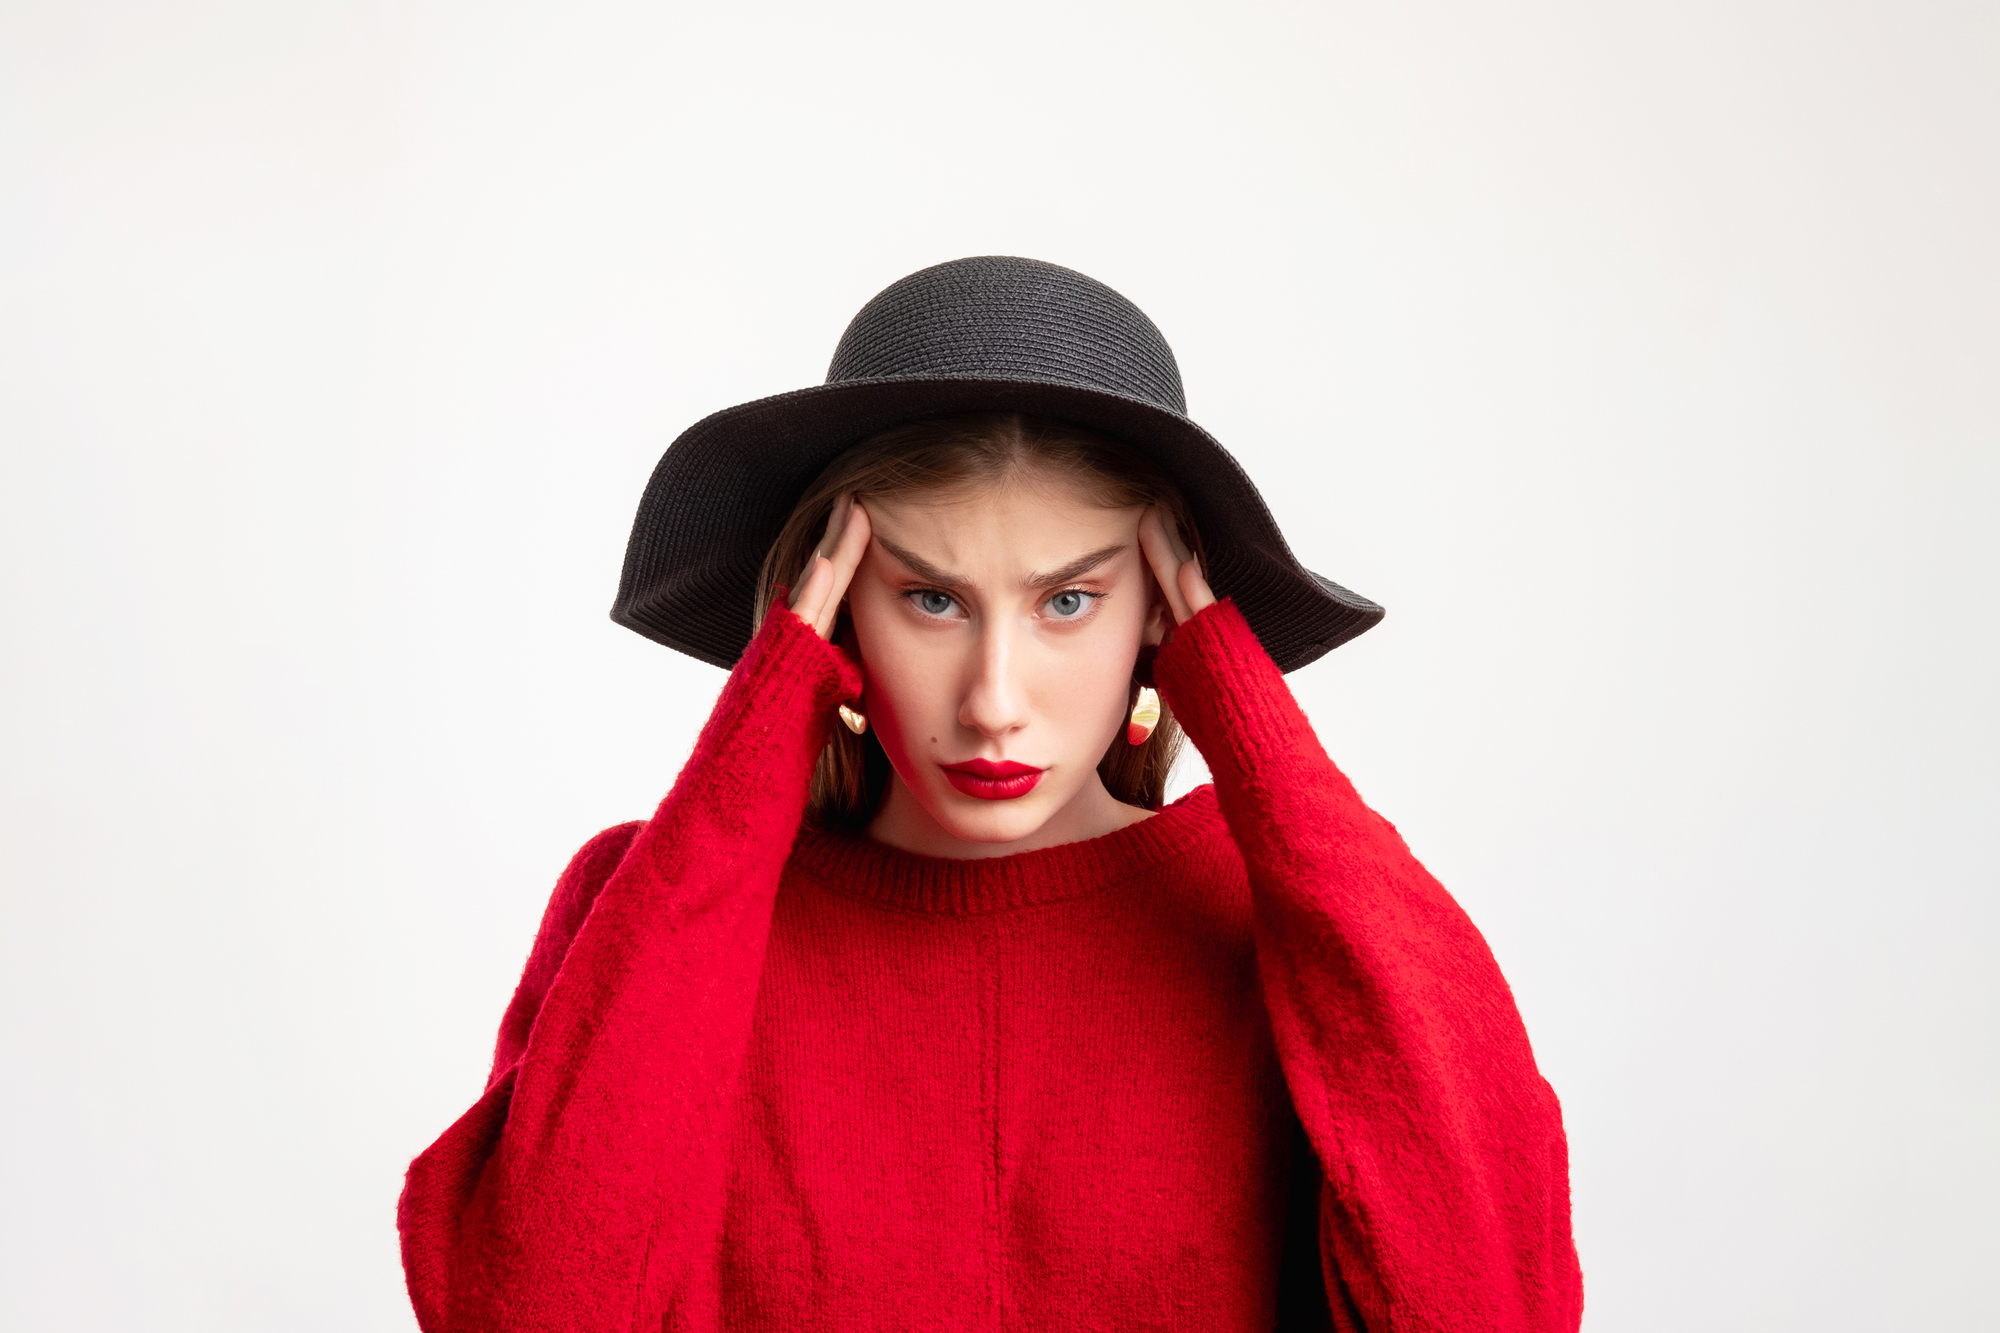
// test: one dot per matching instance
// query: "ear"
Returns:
(1159, 617)
(845, 639)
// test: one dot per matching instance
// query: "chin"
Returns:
(972, 820)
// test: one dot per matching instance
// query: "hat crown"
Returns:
(998, 317)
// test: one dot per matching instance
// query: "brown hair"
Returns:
(957, 453)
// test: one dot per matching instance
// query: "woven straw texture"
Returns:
(992, 333)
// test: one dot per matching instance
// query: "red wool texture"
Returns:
(1244, 1064)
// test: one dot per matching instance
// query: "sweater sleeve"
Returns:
(578, 1191)
(1446, 1197)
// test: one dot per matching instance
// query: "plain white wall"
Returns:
(1643, 359)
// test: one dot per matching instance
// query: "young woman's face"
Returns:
(998, 632)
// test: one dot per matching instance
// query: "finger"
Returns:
(826, 540)
(843, 560)
(1194, 587)
(1172, 528)
(1153, 540)
(814, 580)
(836, 522)
(1193, 583)
(1160, 556)
(809, 601)
(855, 530)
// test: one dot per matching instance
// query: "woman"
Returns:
(932, 1016)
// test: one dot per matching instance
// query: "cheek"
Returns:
(1081, 684)
(1091, 686)
(909, 702)
(910, 676)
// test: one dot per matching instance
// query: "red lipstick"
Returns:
(992, 780)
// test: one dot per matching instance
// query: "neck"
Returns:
(904, 824)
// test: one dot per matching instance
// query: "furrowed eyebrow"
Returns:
(919, 566)
(1076, 568)
(943, 578)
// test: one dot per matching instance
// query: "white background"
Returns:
(1643, 359)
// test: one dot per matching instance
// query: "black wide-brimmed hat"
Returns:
(989, 334)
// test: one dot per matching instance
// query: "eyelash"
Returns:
(915, 596)
(1090, 600)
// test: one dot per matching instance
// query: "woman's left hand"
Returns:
(1187, 592)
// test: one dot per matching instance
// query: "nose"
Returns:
(995, 703)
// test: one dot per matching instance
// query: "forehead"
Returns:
(1032, 523)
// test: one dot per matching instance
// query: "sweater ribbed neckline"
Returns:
(856, 867)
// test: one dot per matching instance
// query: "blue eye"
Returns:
(934, 603)
(1068, 605)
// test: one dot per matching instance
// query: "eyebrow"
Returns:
(924, 569)
(1076, 568)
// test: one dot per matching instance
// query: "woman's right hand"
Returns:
(823, 582)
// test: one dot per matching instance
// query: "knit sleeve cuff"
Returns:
(1232, 700)
(787, 657)
(1217, 677)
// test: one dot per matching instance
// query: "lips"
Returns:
(991, 780)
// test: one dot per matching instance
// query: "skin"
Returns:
(999, 624)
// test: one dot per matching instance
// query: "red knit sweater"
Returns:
(762, 1078)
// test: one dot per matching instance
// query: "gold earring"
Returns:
(1145, 716)
(856, 722)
